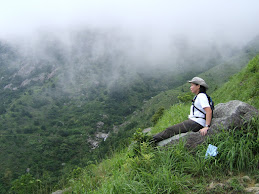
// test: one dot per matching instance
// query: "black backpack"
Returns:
(211, 103)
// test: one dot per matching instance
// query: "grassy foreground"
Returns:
(140, 168)
(174, 169)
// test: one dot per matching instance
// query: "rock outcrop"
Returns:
(226, 115)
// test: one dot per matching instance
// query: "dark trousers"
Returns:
(183, 127)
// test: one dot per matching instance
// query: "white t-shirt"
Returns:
(201, 102)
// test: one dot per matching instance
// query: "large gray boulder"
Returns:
(226, 115)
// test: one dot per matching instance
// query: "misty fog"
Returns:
(129, 36)
(68, 65)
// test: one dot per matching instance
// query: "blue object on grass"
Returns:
(211, 151)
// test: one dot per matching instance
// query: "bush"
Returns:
(26, 184)
(139, 139)
(186, 97)
(159, 113)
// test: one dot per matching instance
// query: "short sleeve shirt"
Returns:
(201, 102)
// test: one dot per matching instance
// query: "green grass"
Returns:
(45, 130)
(141, 168)
(242, 86)
(174, 169)
(176, 114)
(240, 151)
(215, 78)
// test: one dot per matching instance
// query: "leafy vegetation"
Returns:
(157, 115)
(47, 117)
(174, 169)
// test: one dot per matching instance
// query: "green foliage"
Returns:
(149, 172)
(76, 173)
(176, 114)
(239, 148)
(185, 97)
(139, 139)
(157, 115)
(45, 125)
(175, 169)
(235, 185)
(26, 184)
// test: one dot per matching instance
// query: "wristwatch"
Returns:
(207, 126)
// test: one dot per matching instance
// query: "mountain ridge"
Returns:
(46, 123)
(141, 168)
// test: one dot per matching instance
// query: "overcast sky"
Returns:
(236, 20)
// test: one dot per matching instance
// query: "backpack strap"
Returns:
(193, 106)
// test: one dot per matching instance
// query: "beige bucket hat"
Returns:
(200, 81)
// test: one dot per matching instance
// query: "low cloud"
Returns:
(133, 34)
(217, 20)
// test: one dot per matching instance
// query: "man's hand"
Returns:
(204, 131)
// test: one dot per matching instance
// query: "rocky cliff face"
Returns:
(27, 75)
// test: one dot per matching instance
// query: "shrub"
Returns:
(186, 97)
(26, 184)
(139, 139)
(159, 113)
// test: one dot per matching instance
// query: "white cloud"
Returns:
(208, 19)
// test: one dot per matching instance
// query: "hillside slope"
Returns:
(215, 77)
(141, 169)
(242, 86)
(62, 94)
(47, 119)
